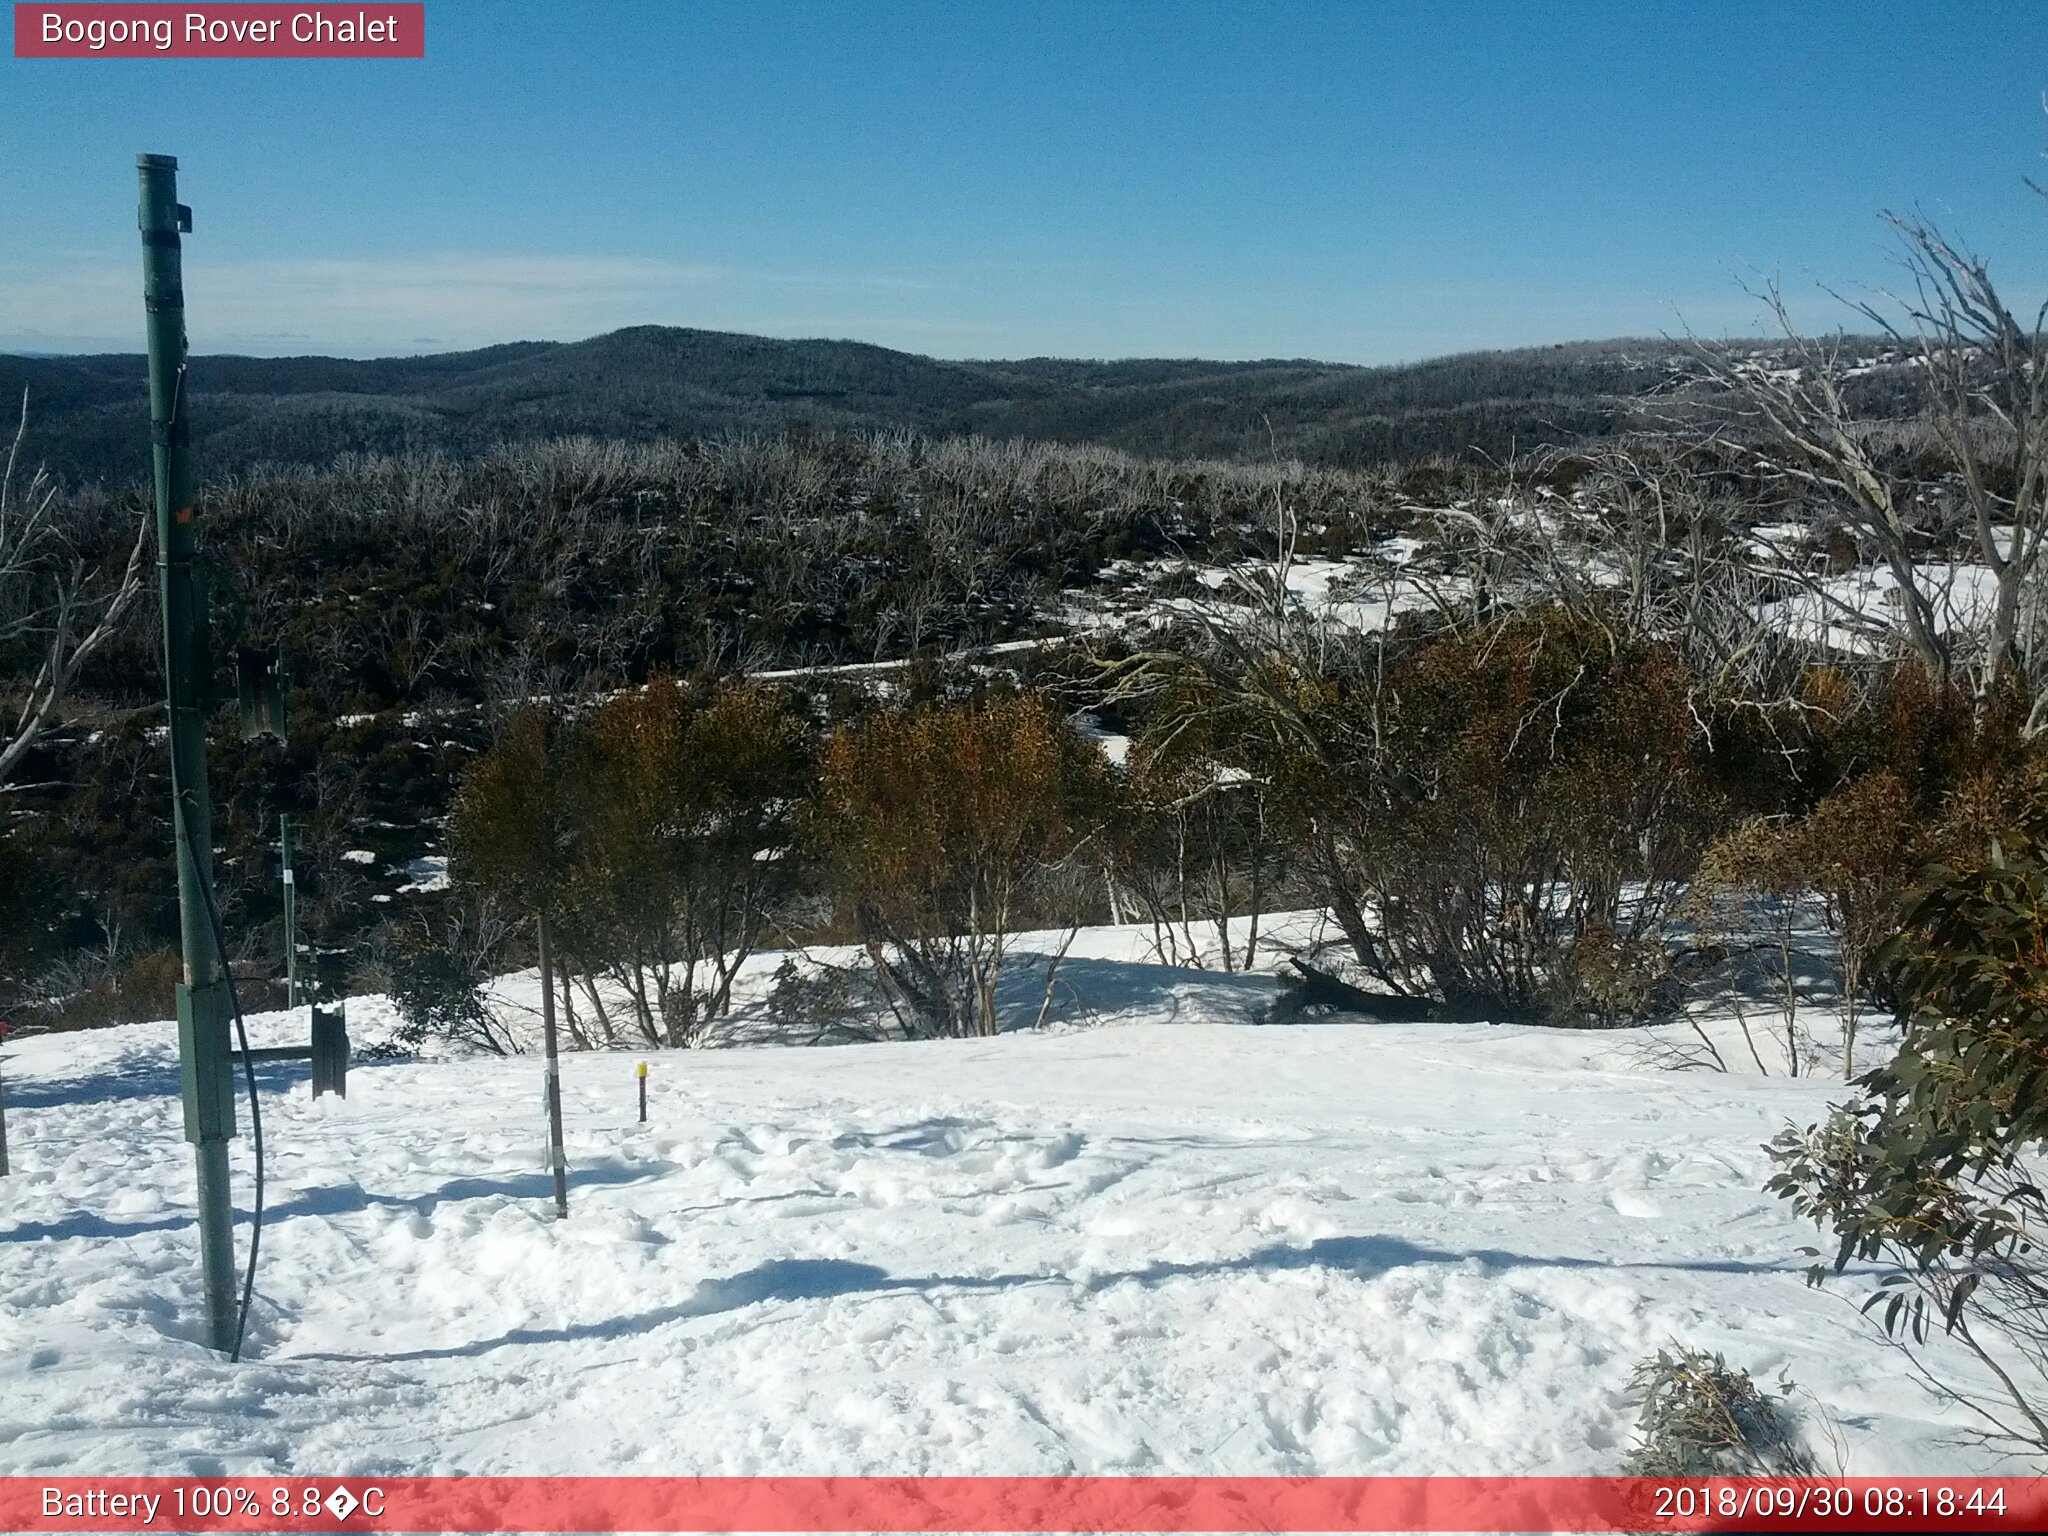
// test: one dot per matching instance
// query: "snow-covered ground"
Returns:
(1164, 1240)
(1360, 594)
(1862, 611)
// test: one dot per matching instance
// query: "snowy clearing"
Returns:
(1175, 1242)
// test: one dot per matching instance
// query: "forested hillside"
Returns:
(89, 418)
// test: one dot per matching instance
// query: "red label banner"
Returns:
(1020, 1504)
(237, 31)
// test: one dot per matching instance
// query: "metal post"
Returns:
(291, 915)
(557, 1158)
(203, 1008)
(643, 1093)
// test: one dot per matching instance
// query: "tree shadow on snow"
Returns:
(1086, 986)
(143, 1075)
(1085, 989)
(85, 1224)
(798, 1280)
(776, 1280)
(344, 1199)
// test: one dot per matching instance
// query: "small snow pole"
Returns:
(291, 913)
(643, 1105)
(558, 1159)
(3, 1106)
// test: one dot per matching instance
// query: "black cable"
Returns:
(220, 944)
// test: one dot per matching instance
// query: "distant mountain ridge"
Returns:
(88, 413)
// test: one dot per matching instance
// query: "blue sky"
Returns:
(1361, 182)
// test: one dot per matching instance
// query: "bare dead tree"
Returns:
(1645, 547)
(50, 597)
(1984, 402)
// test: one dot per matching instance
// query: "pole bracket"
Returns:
(208, 1077)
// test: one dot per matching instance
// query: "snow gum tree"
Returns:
(1546, 806)
(509, 827)
(1892, 769)
(1194, 835)
(1934, 1169)
(1852, 854)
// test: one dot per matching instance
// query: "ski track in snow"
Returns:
(1167, 1245)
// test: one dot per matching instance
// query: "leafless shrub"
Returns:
(54, 607)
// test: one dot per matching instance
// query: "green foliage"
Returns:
(1973, 960)
(1701, 1419)
(1962, 1099)
(1930, 1171)
(509, 824)
(437, 986)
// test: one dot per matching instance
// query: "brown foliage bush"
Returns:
(939, 827)
(1511, 815)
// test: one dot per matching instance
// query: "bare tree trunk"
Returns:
(1251, 941)
(1052, 971)
(569, 1010)
(604, 1017)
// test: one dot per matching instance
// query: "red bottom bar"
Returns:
(1021, 1504)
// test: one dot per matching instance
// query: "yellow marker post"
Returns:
(643, 1093)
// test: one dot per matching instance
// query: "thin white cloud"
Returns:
(369, 306)
(359, 305)
(365, 306)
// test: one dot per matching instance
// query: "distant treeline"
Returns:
(89, 420)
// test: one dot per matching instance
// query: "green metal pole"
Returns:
(291, 915)
(203, 1008)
